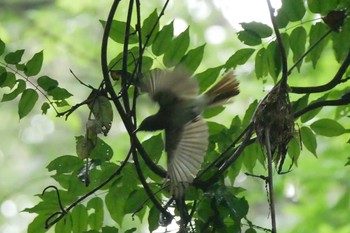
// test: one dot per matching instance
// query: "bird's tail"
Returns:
(222, 91)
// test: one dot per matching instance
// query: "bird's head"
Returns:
(151, 123)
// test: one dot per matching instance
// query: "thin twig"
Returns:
(270, 180)
(280, 45)
(337, 79)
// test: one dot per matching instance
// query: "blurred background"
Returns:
(314, 197)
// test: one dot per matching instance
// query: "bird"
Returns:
(180, 116)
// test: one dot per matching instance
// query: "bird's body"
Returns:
(186, 133)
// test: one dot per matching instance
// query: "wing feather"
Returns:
(186, 149)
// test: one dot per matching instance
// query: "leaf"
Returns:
(102, 110)
(177, 49)
(153, 219)
(249, 38)
(300, 103)
(135, 200)
(109, 230)
(311, 114)
(316, 32)
(261, 63)
(96, 218)
(297, 42)
(65, 225)
(37, 225)
(102, 151)
(162, 39)
(309, 139)
(44, 107)
(260, 29)
(274, 60)
(14, 57)
(2, 47)
(47, 83)
(240, 57)
(294, 9)
(249, 113)
(340, 42)
(149, 24)
(294, 149)
(191, 60)
(208, 77)
(250, 155)
(154, 147)
(117, 32)
(7, 79)
(65, 164)
(348, 162)
(211, 112)
(327, 127)
(59, 93)
(115, 202)
(34, 65)
(79, 219)
(322, 7)
(21, 86)
(27, 102)
(83, 147)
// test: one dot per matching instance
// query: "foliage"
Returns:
(136, 185)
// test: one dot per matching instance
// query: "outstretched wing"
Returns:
(165, 86)
(186, 149)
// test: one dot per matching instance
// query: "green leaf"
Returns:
(117, 32)
(154, 147)
(153, 219)
(14, 57)
(250, 155)
(109, 230)
(294, 149)
(191, 60)
(102, 151)
(34, 65)
(249, 113)
(27, 102)
(240, 57)
(322, 7)
(327, 127)
(65, 164)
(47, 83)
(102, 110)
(316, 32)
(65, 225)
(297, 42)
(162, 39)
(282, 18)
(294, 9)
(151, 22)
(131, 230)
(260, 29)
(2, 47)
(274, 60)
(59, 93)
(261, 63)
(96, 218)
(21, 86)
(115, 202)
(79, 219)
(177, 49)
(309, 139)
(7, 79)
(37, 225)
(211, 112)
(249, 38)
(44, 107)
(135, 200)
(341, 42)
(348, 162)
(83, 147)
(208, 77)
(311, 114)
(300, 103)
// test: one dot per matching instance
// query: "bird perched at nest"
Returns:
(186, 133)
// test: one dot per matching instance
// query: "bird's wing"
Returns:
(165, 86)
(186, 149)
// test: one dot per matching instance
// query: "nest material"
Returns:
(273, 116)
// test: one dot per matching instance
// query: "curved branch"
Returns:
(337, 79)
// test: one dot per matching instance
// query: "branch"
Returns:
(109, 87)
(337, 79)
(270, 180)
(280, 45)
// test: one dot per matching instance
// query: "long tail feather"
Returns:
(222, 91)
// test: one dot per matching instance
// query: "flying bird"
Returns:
(180, 108)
